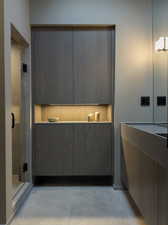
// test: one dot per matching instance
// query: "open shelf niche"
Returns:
(71, 113)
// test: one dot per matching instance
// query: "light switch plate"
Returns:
(161, 100)
(145, 100)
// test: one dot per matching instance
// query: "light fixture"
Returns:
(162, 44)
(166, 44)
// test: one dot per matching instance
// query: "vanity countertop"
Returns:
(150, 128)
(145, 137)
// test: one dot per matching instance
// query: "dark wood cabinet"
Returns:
(93, 149)
(162, 196)
(142, 180)
(72, 65)
(67, 150)
(93, 64)
(146, 174)
(52, 67)
(52, 150)
(147, 184)
(132, 167)
(148, 179)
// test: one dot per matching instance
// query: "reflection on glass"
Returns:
(160, 29)
(16, 58)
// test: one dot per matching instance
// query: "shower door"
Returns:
(16, 113)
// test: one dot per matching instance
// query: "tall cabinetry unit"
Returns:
(73, 66)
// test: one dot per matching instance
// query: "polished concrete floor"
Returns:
(77, 206)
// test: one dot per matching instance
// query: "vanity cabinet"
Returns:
(147, 184)
(93, 149)
(72, 65)
(146, 169)
(148, 178)
(132, 170)
(142, 180)
(162, 196)
(72, 149)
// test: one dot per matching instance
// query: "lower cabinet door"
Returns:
(93, 150)
(142, 177)
(132, 167)
(52, 149)
(148, 180)
(162, 196)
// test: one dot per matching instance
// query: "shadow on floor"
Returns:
(74, 181)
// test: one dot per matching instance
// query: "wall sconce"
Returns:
(161, 44)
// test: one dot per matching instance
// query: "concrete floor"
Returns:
(77, 206)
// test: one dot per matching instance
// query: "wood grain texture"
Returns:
(92, 154)
(148, 180)
(52, 70)
(52, 150)
(73, 65)
(162, 196)
(152, 145)
(68, 149)
(93, 65)
(142, 178)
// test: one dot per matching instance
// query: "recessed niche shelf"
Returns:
(72, 113)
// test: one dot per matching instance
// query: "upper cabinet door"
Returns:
(93, 65)
(52, 67)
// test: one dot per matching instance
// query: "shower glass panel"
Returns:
(16, 113)
(160, 59)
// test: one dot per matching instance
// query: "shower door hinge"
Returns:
(24, 68)
(25, 167)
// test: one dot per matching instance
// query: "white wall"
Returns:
(134, 77)
(16, 12)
